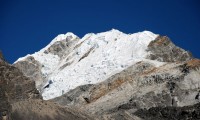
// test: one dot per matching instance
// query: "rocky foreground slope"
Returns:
(20, 100)
(113, 75)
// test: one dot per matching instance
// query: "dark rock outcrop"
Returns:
(17, 86)
(62, 48)
(5, 106)
(14, 86)
(164, 50)
(32, 69)
(20, 100)
(170, 113)
(1, 55)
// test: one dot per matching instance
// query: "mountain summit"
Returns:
(113, 75)
(68, 61)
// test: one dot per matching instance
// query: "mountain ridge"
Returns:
(70, 48)
(113, 75)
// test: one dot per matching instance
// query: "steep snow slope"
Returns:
(68, 62)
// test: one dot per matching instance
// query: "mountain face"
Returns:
(139, 86)
(14, 87)
(68, 61)
(20, 100)
(113, 75)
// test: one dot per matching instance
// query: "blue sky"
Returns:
(26, 26)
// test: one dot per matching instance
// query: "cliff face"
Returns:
(20, 100)
(14, 87)
(5, 107)
(164, 50)
(34, 73)
(17, 86)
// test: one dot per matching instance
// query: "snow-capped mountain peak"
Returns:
(68, 61)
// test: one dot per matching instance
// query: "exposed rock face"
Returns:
(5, 107)
(163, 49)
(18, 86)
(170, 113)
(140, 86)
(20, 100)
(62, 48)
(34, 73)
(13, 87)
